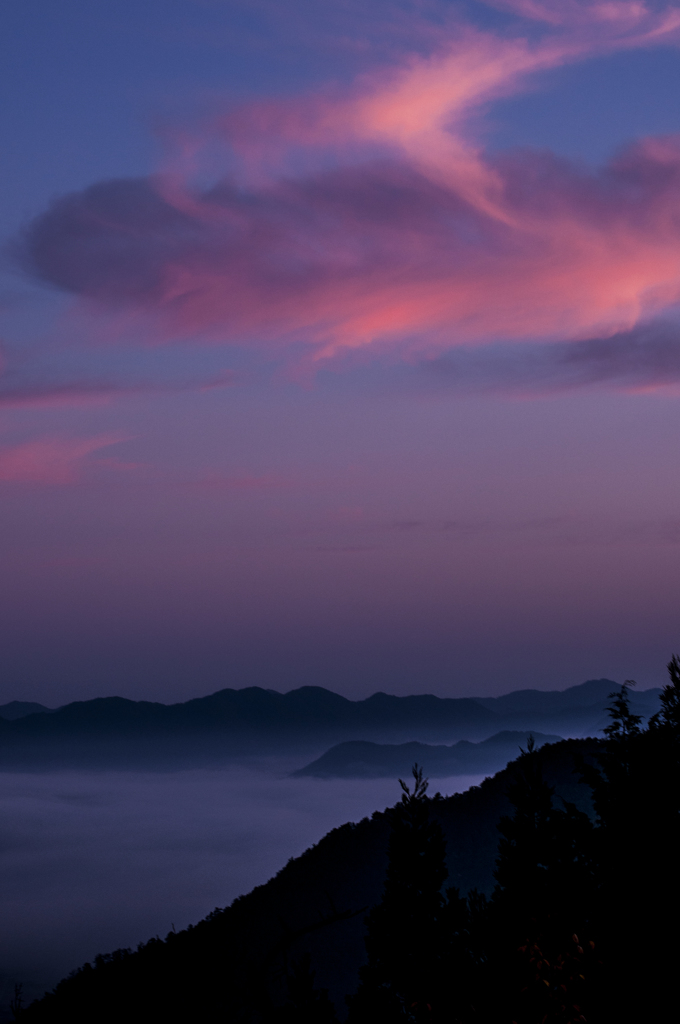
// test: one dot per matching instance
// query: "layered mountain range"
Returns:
(304, 723)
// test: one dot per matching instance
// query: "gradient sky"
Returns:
(340, 345)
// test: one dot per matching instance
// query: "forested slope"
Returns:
(233, 965)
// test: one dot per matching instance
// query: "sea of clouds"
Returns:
(90, 862)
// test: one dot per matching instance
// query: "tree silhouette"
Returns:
(545, 894)
(636, 794)
(17, 1001)
(405, 937)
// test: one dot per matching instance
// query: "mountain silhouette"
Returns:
(254, 722)
(20, 708)
(365, 760)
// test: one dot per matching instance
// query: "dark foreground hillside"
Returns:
(233, 966)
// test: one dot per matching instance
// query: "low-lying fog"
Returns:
(90, 862)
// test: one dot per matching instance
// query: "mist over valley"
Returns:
(125, 819)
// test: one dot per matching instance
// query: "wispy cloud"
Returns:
(369, 219)
(50, 460)
(22, 392)
(643, 359)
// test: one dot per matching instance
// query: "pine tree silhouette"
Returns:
(636, 793)
(405, 938)
(544, 896)
(17, 1002)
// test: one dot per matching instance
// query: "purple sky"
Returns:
(340, 345)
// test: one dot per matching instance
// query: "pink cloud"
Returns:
(50, 460)
(400, 234)
(635, 16)
(646, 359)
(78, 392)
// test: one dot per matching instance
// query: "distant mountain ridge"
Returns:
(583, 695)
(359, 759)
(21, 708)
(268, 711)
(306, 721)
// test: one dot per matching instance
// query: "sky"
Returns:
(340, 346)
